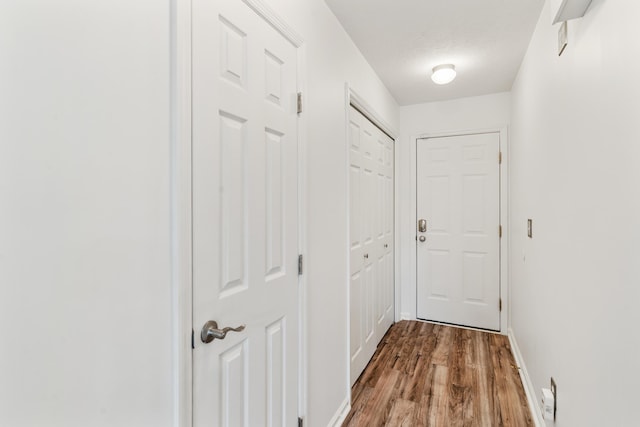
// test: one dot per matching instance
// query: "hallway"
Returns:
(173, 171)
(433, 375)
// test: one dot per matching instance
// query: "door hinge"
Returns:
(500, 157)
(300, 265)
(300, 422)
(299, 102)
(500, 304)
(500, 231)
(193, 340)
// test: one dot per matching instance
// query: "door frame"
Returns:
(504, 215)
(181, 204)
(352, 98)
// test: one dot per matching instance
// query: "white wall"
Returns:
(85, 249)
(575, 157)
(480, 112)
(85, 280)
(331, 61)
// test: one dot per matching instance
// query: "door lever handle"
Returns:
(210, 331)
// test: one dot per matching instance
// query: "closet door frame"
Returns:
(352, 98)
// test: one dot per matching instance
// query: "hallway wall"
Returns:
(85, 218)
(479, 112)
(574, 171)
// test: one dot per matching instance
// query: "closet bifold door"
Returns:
(371, 238)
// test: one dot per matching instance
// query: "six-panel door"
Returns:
(245, 217)
(458, 257)
(371, 238)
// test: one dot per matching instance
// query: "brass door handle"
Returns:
(210, 331)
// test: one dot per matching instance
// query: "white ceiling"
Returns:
(404, 39)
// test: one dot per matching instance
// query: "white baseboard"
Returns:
(341, 415)
(526, 382)
(405, 316)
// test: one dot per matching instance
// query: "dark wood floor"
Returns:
(440, 376)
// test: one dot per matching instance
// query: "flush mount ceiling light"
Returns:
(443, 74)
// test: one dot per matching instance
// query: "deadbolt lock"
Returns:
(422, 225)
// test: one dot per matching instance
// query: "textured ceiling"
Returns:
(404, 39)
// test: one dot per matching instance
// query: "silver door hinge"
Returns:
(300, 422)
(193, 340)
(300, 265)
(500, 157)
(500, 231)
(500, 304)
(299, 102)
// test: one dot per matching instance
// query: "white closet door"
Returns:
(370, 240)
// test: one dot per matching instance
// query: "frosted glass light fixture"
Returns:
(443, 74)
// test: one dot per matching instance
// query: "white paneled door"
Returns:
(371, 226)
(458, 248)
(245, 219)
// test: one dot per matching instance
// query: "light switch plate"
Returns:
(562, 38)
(565, 10)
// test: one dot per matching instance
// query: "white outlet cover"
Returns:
(547, 404)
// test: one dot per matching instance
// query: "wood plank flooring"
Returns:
(439, 376)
